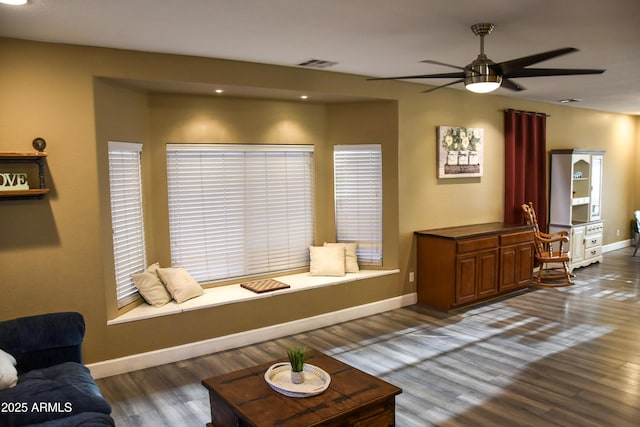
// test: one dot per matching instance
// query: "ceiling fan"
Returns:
(483, 75)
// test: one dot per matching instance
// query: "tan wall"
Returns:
(426, 202)
(195, 119)
(121, 115)
(635, 204)
(55, 253)
(370, 123)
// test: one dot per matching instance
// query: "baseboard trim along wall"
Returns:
(174, 354)
(616, 245)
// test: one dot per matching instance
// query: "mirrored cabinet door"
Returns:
(596, 187)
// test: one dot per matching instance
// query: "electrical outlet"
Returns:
(618, 232)
(411, 277)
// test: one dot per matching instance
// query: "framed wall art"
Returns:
(460, 152)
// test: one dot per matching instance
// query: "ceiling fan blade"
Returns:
(441, 86)
(511, 85)
(422, 76)
(541, 72)
(508, 67)
(429, 61)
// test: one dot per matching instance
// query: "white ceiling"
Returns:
(366, 37)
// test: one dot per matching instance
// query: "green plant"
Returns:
(297, 357)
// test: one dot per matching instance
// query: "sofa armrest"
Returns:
(43, 340)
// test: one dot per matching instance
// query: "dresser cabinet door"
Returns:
(466, 271)
(488, 273)
(516, 266)
(577, 244)
(476, 276)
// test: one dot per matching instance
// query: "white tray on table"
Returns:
(278, 376)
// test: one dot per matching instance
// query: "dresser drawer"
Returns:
(593, 252)
(592, 241)
(472, 245)
(515, 238)
(595, 228)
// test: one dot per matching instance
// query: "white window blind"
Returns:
(126, 216)
(358, 199)
(239, 210)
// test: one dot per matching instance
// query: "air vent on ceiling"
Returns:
(317, 63)
(569, 100)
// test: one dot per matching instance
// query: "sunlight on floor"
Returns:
(475, 332)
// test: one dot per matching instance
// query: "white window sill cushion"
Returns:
(231, 294)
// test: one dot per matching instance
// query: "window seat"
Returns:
(231, 294)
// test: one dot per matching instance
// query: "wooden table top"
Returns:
(247, 392)
(474, 230)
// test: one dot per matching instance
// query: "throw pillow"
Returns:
(327, 260)
(8, 372)
(351, 258)
(153, 268)
(180, 284)
(151, 287)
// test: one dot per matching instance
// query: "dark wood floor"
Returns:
(544, 357)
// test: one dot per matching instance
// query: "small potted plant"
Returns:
(297, 357)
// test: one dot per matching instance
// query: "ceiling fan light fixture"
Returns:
(484, 76)
(482, 87)
(480, 77)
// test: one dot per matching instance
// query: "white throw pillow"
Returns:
(180, 284)
(8, 372)
(351, 258)
(327, 260)
(151, 288)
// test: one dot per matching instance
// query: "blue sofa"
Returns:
(54, 388)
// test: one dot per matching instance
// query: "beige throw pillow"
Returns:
(151, 287)
(180, 284)
(351, 258)
(327, 260)
(8, 372)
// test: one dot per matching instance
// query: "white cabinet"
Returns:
(576, 202)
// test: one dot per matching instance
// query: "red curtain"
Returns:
(525, 165)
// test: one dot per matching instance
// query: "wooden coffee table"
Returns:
(243, 398)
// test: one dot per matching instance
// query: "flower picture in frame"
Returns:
(460, 152)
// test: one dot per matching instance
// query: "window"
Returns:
(358, 199)
(239, 210)
(126, 216)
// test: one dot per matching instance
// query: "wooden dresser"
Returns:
(457, 266)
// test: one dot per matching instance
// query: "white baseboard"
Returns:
(174, 354)
(616, 245)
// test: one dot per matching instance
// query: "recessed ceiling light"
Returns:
(14, 2)
(219, 91)
(304, 97)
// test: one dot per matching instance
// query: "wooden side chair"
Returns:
(552, 253)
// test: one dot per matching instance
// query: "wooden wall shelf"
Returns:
(35, 157)
(27, 155)
(25, 193)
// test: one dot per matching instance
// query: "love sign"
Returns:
(11, 181)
